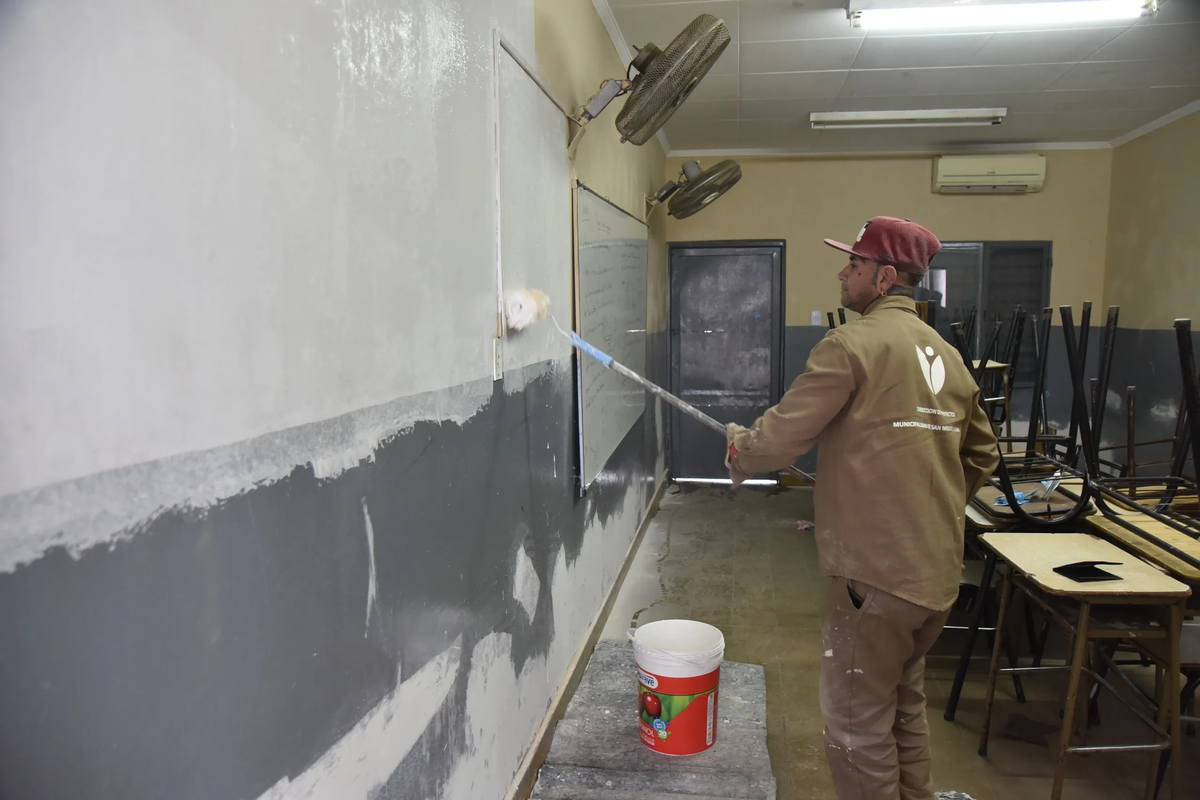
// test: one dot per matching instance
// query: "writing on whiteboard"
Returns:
(613, 252)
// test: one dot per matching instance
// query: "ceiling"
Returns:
(1081, 84)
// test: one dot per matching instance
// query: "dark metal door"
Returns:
(1017, 274)
(726, 344)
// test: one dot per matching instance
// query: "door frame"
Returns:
(778, 323)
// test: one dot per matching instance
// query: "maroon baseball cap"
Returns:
(900, 242)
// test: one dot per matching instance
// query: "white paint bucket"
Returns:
(679, 669)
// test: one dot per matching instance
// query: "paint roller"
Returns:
(656, 390)
(524, 307)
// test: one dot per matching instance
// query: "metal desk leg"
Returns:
(1010, 648)
(1031, 629)
(1078, 659)
(994, 668)
(964, 661)
(1168, 712)
(1176, 710)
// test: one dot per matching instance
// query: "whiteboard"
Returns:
(610, 304)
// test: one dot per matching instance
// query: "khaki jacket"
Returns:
(903, 445)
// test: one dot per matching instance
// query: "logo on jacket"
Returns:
(934, 371)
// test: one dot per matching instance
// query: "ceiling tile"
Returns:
(1161, 100)
(779, 20)
(662, 23)
(799, 55)
(701, 110)
(702, 135)
(790, 58)
(1124, 119)
(1073, 135)
(951, 80)
(1115, 75)
(902, 52)
(908, 102)
(777, 133)
(782, 109)
(715, 87)
(618, 3)
(1152, 42)
(875, 139)
(1112, 119)
(1043, 47)
(1188, 76)
(793, 85)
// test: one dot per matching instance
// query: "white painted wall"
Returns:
(223, 219)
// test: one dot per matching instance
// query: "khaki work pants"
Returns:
(873, 693)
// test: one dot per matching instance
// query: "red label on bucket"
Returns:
(678, 715)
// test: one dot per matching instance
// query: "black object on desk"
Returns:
(1087, 571)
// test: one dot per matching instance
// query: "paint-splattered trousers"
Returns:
(873, 693)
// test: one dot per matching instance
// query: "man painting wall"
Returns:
(903, 444)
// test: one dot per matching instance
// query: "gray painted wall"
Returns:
(267, 526)
(221, 649)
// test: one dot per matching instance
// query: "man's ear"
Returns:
(889, 277)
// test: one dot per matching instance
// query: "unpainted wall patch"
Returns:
(526, 586)
(372, 590)
(366, 757)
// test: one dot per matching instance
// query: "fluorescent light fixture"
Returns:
(884, 15)
(925, 118)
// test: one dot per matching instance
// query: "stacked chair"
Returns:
(1154, 516)
(1027, 468)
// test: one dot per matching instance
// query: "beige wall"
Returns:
(1153, 262)
(576, 55)
(804, 200)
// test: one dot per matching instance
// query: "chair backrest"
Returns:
(1030, 462)
(1191, 394)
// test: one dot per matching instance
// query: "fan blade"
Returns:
(669, 78)
(704, 189)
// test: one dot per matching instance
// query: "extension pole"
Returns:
(658, 391)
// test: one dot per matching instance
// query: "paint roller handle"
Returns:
(658, 391)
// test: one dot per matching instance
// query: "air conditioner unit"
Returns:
(988, 174)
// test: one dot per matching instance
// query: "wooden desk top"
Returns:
(1058, 502)
(990, 365)
(981, 519)
(1148, 549)
(1037, 554)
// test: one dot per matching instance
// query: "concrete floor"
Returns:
(735, 559)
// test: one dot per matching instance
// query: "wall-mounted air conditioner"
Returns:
(989, 174)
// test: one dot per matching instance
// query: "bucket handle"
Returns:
(630, 634)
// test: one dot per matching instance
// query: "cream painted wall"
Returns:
(805, 200)
(576, 55)
(1153, 268)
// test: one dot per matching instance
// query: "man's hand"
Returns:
(735, 474)
(732, 429)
